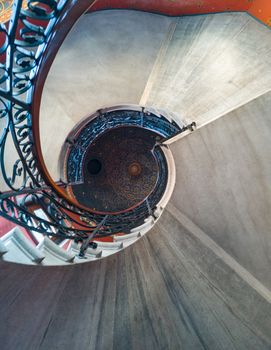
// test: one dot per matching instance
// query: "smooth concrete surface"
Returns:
(200, 67)
(168, 291)
(224, 183)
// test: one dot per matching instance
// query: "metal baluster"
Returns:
(85, 245)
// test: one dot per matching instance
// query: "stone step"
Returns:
(19, 249)
(109, 245)
(90, 254)
(54, 255)
(129, 237)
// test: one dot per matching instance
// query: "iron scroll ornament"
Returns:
(25, 40)
(30, 42)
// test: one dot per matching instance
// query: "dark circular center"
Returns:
(120, 170)
(94, 166)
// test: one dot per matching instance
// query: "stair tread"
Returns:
(19, 248)
(90, 252)
(54, 255)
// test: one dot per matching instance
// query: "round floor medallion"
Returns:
(119, 170)
(134, 169)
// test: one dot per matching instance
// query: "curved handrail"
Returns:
(70, 14)
(28, 37)
(26, 70)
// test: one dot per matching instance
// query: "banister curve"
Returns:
(70, 14)
(35, 34)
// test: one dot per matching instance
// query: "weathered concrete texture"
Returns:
(211, 65)
(106, 60)
(223, 183)
(168, 291)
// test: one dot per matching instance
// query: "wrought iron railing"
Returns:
(25, 40)
(31, 40)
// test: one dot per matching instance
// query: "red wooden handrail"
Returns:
(72, 11)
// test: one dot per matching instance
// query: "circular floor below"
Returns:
(119, 170)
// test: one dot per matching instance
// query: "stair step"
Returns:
(54, 255)
(19, 248)
(128, 237)
(144, 228)
(89, 254)
(109, 245)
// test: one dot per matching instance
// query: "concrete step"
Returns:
(54, 255)
(19, 249)
(127, 239)
(109, 248)
(90, 254)
(109, 245)
(144, 228)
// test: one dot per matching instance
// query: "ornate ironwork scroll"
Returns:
(23, 43)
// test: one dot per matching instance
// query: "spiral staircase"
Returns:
(177, 107)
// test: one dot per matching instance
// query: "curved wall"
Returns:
(174, 8)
